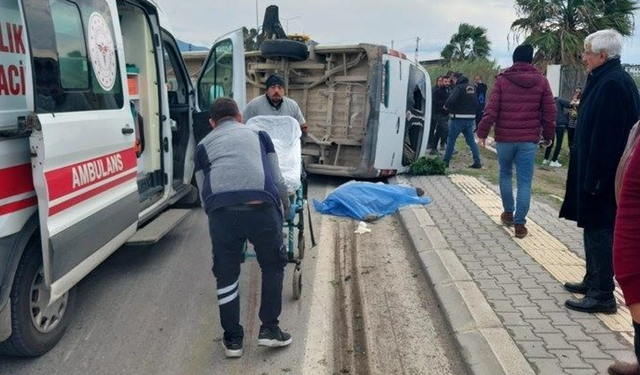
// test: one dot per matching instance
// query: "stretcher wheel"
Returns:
(301, 245)
(297, 283)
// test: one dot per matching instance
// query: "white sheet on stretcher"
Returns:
(285, 134)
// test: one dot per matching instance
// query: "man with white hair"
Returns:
(609, 107)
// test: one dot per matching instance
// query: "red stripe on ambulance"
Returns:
(15, 180)
(69, 179)
(17, 206)
(91, 193)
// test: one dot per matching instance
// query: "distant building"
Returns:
(435, 62)
(632, 69)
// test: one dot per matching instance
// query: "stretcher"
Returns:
(285, 133)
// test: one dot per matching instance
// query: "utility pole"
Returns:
(417, 46)
(257, 24)
(391, 43)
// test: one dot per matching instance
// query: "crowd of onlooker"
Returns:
(603, 177)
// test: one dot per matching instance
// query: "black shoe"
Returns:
(273, 338)
(475, 166)
(578, 288)
(590, 305)
(232, 347)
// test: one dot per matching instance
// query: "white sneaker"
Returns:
(545, 162)
(555, 164)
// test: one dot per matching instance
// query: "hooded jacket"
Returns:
(521, 106)
(463, 99)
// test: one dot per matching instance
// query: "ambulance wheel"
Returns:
(301, 245)
(297, 283)
(36, 328)
(289, 49)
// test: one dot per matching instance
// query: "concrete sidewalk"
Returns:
(462, 244)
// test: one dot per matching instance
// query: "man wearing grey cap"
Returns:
(274, 103)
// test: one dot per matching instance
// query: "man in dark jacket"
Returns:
(440, 115)
(521, 107)
(481, 92)
(609, 106)
(462, 105)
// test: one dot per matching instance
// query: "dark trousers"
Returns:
(598, 248)
(229, 229)
(558, 144)
(441, 130)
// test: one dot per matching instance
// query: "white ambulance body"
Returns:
(96, 148)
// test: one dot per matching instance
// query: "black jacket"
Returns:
(609, 107)
(439, 97)
(562, 118)
(463, 99)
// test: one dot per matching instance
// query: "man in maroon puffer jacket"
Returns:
(521, 107)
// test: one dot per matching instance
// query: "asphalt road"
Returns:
(153, 311)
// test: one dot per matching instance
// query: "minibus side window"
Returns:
(72, 50)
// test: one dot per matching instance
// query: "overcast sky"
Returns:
(359, 21)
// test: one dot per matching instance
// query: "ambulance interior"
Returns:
(143, 77)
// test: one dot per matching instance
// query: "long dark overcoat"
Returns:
(609, 107)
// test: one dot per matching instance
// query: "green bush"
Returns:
(427, 167)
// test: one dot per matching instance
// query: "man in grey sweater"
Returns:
(242, 190)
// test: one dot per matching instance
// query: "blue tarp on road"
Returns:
(368, 201)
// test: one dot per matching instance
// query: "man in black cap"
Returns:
(274, 103)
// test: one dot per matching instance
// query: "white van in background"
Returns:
(96, 150)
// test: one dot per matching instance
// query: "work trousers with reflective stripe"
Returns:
(229, 229)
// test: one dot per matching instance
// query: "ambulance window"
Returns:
(217, 79)
(72, 50)
(63, 49)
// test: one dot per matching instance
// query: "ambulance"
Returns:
(97, 118)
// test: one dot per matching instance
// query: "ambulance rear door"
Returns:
(222, 74)
(82, 137)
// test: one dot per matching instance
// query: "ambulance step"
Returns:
(158, 227)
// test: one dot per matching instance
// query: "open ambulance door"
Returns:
(222, 74)
(81, 144)
(393, 105)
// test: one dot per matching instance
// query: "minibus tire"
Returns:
(289, 49)
(25, 339)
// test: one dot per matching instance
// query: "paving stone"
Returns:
(581, 372)
(622, 355)
(593, 326)
(601, 365)
(547, 305)
(543, 326)
(540, 297)
(513, 291)
(502, 306)
(530, 312)
(496, 294)
(607, 341)
(521, 300)
(570, 359)
(512, 319)
(574, 333)
(547, 366)
(534, 350)
(523, 333)
(590, 349)
(488, 284)
(561, 319)
(555, 341)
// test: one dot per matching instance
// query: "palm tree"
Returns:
(469, 42)
(557, 28)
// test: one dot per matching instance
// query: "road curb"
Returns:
(486, 346)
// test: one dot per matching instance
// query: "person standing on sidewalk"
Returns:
(462, 105)
(626, 241)
(609, 106)
(242, 190)
(521, 107)
(440, 115)
(481, 92)
(562, 121)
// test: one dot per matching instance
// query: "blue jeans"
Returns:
(464, 126)
(523, 155)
